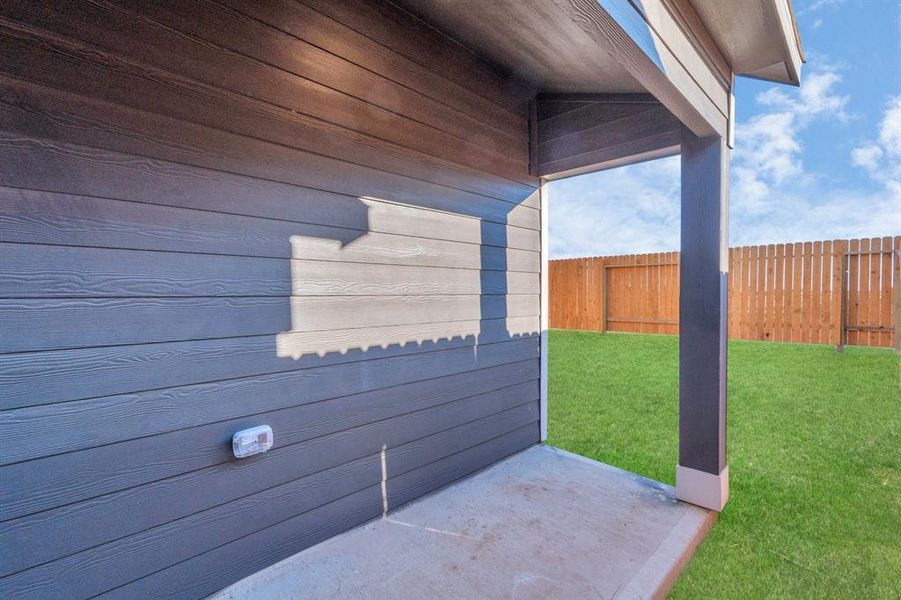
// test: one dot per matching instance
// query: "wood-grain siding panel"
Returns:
(316, 28)
(32, 379)
(237, 27)
(86, 574)
(622, 27)
(117, 38)
(209, 572)
(413, 455)
(35, 271)
(211, 225)
(46, 483)
(83, 424)
(411, 485)
(587, 115)
(73, 528)
(52, 323)
(63, 323)
(414, 39)
(628, 129)
(245, 117)
(28, 110)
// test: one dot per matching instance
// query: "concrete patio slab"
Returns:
(541, 524)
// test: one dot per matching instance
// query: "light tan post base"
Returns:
(704, 489)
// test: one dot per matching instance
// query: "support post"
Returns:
(702, 475)
(543, 324)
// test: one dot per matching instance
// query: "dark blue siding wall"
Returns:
(315, 215)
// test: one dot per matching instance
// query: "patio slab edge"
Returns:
(659, 573)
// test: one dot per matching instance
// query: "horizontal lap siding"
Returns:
(55, 477)
(201, 574)
(42, 324)
(216, 215)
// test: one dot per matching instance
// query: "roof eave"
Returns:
(787, 71)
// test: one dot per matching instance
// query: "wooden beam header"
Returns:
(581, 133)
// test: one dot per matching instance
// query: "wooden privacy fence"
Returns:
(841, 292)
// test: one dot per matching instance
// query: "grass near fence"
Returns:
(814, 457)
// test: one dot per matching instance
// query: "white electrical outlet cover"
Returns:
(249, 442)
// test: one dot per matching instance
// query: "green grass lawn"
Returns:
(814, 452)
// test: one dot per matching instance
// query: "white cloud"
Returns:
(881, 157)
(768, 159)
(774, 198)
(810, 213)
(890, 128)
(818, 5)
(622, 211)
(867, 156)
(768, 146)
(816, 97)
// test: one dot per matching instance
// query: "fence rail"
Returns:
(840, 292)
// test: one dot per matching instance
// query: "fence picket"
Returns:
(797, 264)
(885, 292)
(779, 289)
(760, 303)
(806, 251)
(839, 248)
(787, 306)
(825, 291)
(816, 258)
(752, 293)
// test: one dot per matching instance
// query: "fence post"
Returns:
(896, 290)
(604, 298)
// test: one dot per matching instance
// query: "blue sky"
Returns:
(822, 161)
